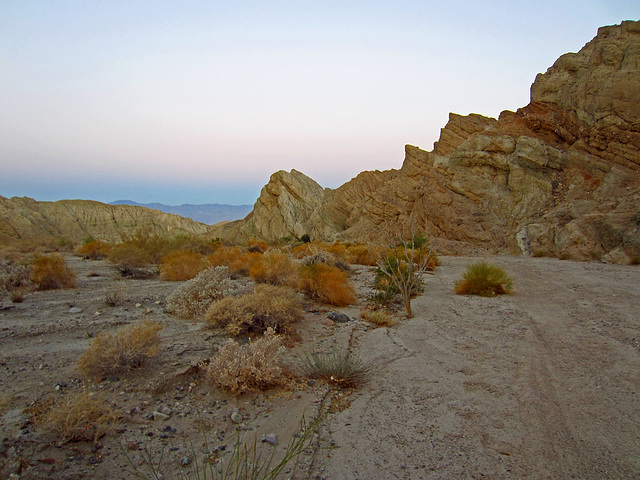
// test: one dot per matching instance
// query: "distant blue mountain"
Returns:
(209, 213)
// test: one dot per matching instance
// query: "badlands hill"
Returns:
(558, 177)
(24, 218)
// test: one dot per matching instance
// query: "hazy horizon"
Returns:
(200, 102)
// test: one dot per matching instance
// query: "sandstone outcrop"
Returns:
(558, 177)
(24, 218)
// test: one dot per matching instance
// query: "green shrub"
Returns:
(485, 280)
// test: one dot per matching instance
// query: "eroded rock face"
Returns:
(23, 217)
(558, 177)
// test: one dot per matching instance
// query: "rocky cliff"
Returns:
(558, 177)
(23, 217)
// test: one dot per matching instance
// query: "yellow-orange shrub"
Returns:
(93, 250)
(181, 265)
(257, 246)
(327, 284)
(274, 267)
(362, 254)
(50, 272)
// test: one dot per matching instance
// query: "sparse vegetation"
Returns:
(132, 261)
(76, 416)
(128, 348)
(252, 367)
(484, 279)
(117, 295)
(194, 297)
(378, 317)
(15, 279)
(50, 272)
(339, 368)
(327, 284)
(269, 306)
(259, 246)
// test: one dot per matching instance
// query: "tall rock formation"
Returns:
(558, 177)
(23, 218)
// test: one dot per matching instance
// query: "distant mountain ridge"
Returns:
(208, 213)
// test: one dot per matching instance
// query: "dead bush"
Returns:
(269, 306)
(122, 351)
(253, 367)
(79, 416)
(327, 284)
(116, 295)
(274, 267)
(378, 317)
(93, 250)
(181, 265)
(132, 261)
(15, 279)
(322, 256)
(362, 255)
(193, 298)
(50, 272)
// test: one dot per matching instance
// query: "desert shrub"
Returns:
(362, 255)
(269, 306)
(51, 272)
(322, 256)
(301, 251)
(181, 265)
(484, 279)
(93, 249)
(116, 295)
(126, 349)
(15, 279)
(193, 298)
(251, 367)
(255, 245)
(327, 284)
(337, 248)
(340, 368)
(378, 317)
(237, 260)
(132, 261)
(75, 417)
(274, 267)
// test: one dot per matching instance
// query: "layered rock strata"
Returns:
(559, 177)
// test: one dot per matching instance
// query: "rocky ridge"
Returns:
(558, 177)
(24, 218)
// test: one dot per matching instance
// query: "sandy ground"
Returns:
(540, 384)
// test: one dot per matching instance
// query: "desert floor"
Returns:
(544, 383)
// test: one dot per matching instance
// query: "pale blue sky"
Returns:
(200, 101)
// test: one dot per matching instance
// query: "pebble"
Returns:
(185, 461)
(166, 410)
(160, 416)
(236, 416)
(271, 439)
(75, 310)
(338, 317)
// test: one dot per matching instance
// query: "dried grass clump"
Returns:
(327, 284)
(79, 416)
(343, 369)
(269, 306)
(274, 267)
(253, 367)
(378, 317)
(322, 256)
(485, 280)
(116, 295)
(125, 350)
(181, 265)
(193, 298)
(50, 272)
(93, 250)
(362, 255)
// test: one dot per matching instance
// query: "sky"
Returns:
(201, 101)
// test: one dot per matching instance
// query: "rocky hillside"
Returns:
(558, 177)
(23, 217)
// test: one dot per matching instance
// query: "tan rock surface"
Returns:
(23, 217)
(559, 177)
